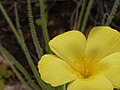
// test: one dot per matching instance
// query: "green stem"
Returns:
(18, 66)
(17, 21)
(44, 26)
(63, 87)
(80, 15)
(32, 29)
(104, 17)
(86, 15)
(112, 13)
(25, 49)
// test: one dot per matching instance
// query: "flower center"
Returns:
(88, 67)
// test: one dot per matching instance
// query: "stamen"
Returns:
(87, 69)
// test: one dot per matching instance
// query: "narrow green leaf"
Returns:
(86, 15)
(1, 84)
(17, 73)
(44, 25)
(112, 13)
(32, 29)
(18, 66)
(25, 49)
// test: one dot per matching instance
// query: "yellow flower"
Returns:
(85, 64)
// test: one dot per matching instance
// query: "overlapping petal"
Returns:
(110, 68)
(70, 46)
(102, 41)
(95, 83)
(99, 57)
(55, 71)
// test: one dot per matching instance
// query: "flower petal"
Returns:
(110, 68)
(102, 41)
(55, 71)
(97, 83)
(70, 46)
